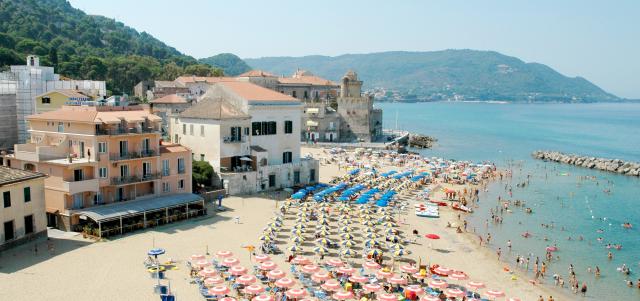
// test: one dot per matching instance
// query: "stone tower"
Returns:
(360, 121)
(350, 86)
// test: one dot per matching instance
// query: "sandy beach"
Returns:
(80, 269)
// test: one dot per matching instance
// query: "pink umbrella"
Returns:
(213, 281)
(320, 276)
(345, 270)
(224, 254)
(370, 265)
(439, 284)
(262, 298)
(300, 260)
(343, 295)
(458, 275)
(514, 299)
(268, 265)
(493, 294)
(285, 283)
(229, 262)
(372, 287)
(419, 276)
(228, 299)
(443, 271)
(203, 263)
(246, 279)
(262, 257)
(432, 236)
(308, 299)
(218, 290)
(454, 292)
(331, 285)
(310, 268)
(237, 270)
(430, 298)
(254, 289)
(335, 262)
(197, 257)
(358, 279)
(395, 279)
(407, 268)
(416, 289)
(207, 272)
(475, 285)
(275, 274)
(383, 274)
(295, 293)
(387, 297)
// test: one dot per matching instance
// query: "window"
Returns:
(184, 129)
(306, 94)
(166, 187)
(46, 100)
(60, 127)
(28, 224)
(255, 128)
(287, 157)
(27, 194)
(201, 157)
(312, 175)
(124, 148)
(6, 197)
(191, 129)
(246, 131)
(181, 165)
(272, 180)
(102, 147)
(296, 177)
(102, 172)
(264, 128)
(202, 130)
(236, 133)
(293, 93)
(165, 167)
(124, 171)
(180, 184)
(146, 169)
(288, 126)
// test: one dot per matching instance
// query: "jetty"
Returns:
(612, 165)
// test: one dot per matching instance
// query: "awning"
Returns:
(311, 123)
(130, 208)
(313, 110)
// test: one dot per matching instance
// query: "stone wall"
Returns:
(611, 165)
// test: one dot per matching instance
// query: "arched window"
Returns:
(29, 167)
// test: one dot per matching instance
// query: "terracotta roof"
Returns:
(168, 147)
(86, 116)
(171, 98)
(91, 115)
(209, 80)
(11, 175)
(213, 107)
(307, 80)
(67, 93)
(256, 73)
(168, 84)
(252, 92)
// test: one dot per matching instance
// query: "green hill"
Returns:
(439, 75)
(230, 63)
(88, 47)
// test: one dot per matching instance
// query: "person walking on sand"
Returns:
(499, 252)
(583, 290)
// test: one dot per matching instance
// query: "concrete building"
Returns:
(8, 111)
(151, 90)
(107, 168)
(249, 134)
(169, 105)
(53, 100)
(22, 214)
(31, 80)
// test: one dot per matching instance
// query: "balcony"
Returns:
(134, 179)
(232, 139)
(81, 186)
(132, 155)
(125, 131)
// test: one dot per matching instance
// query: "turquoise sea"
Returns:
(574, 200)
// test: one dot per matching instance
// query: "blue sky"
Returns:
(598, 40)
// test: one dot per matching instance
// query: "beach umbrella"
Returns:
(207, 272)
(268, 265)
(437, 283)
(432, 236)
(475, 285)
(297, 232)
(358, 279)
(203, 263)
(300, 260)
(370, 265)
(262, 257)
(285, 283)
(254, 289)
(430, 298)
(513, 299)
(419, 275)
(374, 252)
(324, 241)
(345, 270)
(264, 297)
(296, 293)
(346, 236)
(387, 297)
(380, 274)
(442, 271)
(229, 262)
(227, 299)
(454, 293)
(320, 250)
(346, 229)
(265, 238)
(346, 252)
(335, 262)
(408, 268)
(416, 289)
(368, 223)
(156, 252)
(310, 268)
(347, 243)
(494, 294)
(224, 254)
(323, 233)
(372, 287)
(394, 246)
(395, 279)
(237, 270)
(208, 282)
(218, 290)
(331, 285)
(388, 224)
(275, 274)
(320, 276)
(458, 275)
(342, 295)
(398, 253)
(246, 279)
(370, 230)
(300, 226)
(295, 249)
(371, 243)
(390, 231)
(197, 257)
(297, 239)
(371, 235)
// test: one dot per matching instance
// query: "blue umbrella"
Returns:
(155, 252)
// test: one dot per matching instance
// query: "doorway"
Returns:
(8, 231)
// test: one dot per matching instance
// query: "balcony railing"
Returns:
(132, 155)
(134, 179)
(232, 139)
(124, 131)
(87, 184)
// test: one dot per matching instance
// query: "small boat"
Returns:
(439, 203)
(460, 207)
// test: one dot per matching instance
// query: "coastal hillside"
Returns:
(88, 47)
(445, 75)
(230, 63)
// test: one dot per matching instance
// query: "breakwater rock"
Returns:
(421, 141)
(612, 165)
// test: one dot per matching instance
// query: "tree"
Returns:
(202, 174)
(9, 57)
(171, 71)
(202, 70)
(93, 68)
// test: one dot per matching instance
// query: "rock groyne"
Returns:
(612, 165)
(421, 141)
